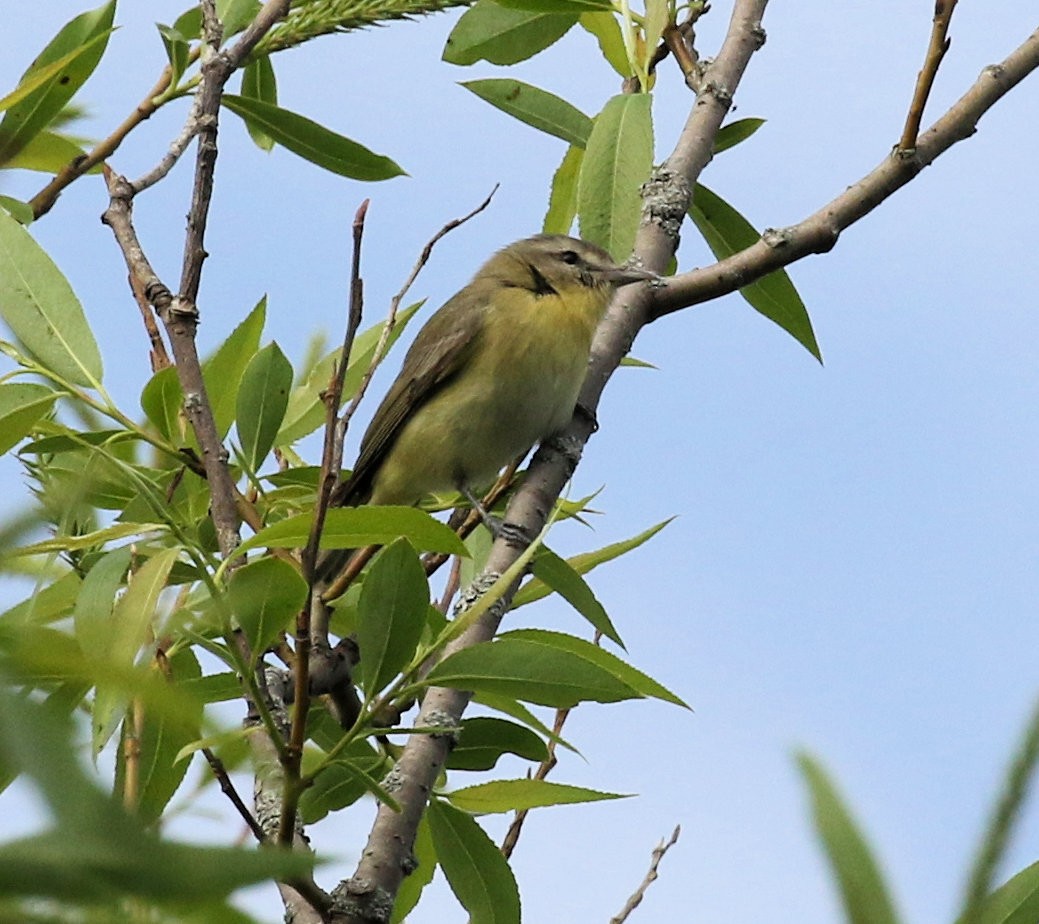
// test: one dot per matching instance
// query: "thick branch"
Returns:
(388, 853)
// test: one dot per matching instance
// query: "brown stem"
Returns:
(651, 876)
(228, 789)
(936, 48)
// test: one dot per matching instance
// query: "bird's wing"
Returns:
(439, 351)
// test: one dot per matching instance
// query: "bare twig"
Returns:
(227, 788)
(636, 897)
(160, 359)
(544, 769)
(319, 615)
(936, 49)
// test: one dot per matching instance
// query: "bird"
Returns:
(495, 370)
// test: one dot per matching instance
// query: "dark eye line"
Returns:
(569, 256)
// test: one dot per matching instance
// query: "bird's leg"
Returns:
(514, 535)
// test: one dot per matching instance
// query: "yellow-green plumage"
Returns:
(494, 371)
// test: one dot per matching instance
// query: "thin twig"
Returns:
(636, 897)
(158, 356)
(228, 789)
(936, 49)
(544, 769)
(319, 614)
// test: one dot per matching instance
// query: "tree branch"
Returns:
(819, 232)
(651, 876)
(936, 49)
(388, 853)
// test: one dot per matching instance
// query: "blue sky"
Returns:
(853, 565)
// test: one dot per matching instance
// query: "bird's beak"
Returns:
(624, 275)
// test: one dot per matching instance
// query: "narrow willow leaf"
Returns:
(658, 15)
(160, 740)
(586, 561)
(489, 32)
(732, 134)
(520, 795)
(607, 32)
(92, 616)
(391, 614)
(41, 309)
(161, 400)
(306, 410)
(557, 6)
(87, 33)
(727, 232)
(34, 78)
(177, 51)
(562, 201)
(48, 152)
(532, 671)
(538, 108)
(340, 784)
(313, 142)
(132, 623)
(558, 574)
(222, 372)
(474, 867)
(617, 161)
(1014, 902)
(262, 398)
(265, 596)
(352, 527)
(21, 405)
(641, 683)
(862, 888)
(259, 82)
(18, 210)
(483, 740)
(49, 604)
(86, 540)
(235, 15)
(414, 883)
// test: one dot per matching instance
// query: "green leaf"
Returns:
(411, 888)
(658, 15)
(235, 15)
(617, 161)
(562, 201)
(161, 739)
(475, 869)
(265, 596)
(607, 32)
(223, 371)
(732, 134)
(727, 232)
(47, 152)
(313, 142)
(575, 7)
(1014, 902)
(41, 309)
(32, 80)
(641, 683)
(86, 540)
(18, 210)
(585, 562)
(353, 527)
(161, 400)
(558, 574)
(92, 616)
(489, 32)
(538, 108)
(130, 627)
(483, 740)
(262, 399)
(530, 670)
(21, 405)
(306, 410)
(259, 82)
(391, 614)
(46, 605)
(84, 38)
(862, 888)
(511, 706)
(177, 50)
(520, 795)
(342, 782)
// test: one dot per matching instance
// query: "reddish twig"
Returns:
(936, 48)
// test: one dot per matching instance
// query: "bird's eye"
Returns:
(569, 256)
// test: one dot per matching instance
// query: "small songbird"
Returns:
(495, 370)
